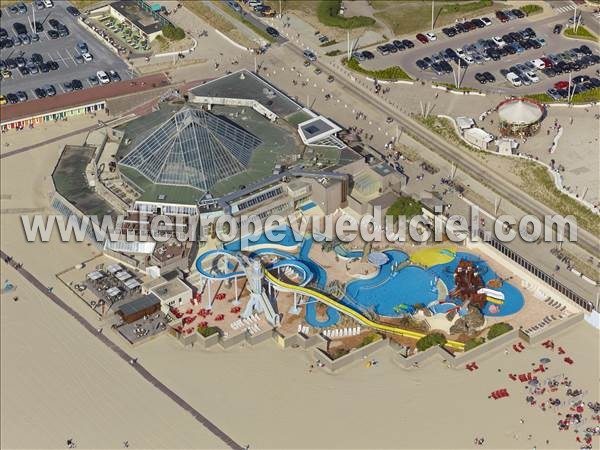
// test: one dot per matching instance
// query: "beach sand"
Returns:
(60, 382)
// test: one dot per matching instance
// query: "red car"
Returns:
(547, 61)
(561, 85)
(422, 38)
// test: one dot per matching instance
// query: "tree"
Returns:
(173, 33)
(430, 340)
(405, 206)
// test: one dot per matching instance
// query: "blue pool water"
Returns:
(307, 206)
(409, 286)
(283, 236)
(412, 285)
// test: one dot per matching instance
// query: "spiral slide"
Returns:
(334, 303)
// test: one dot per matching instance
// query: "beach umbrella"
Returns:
(545, 360)
(533, 382)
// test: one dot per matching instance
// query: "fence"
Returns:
(548, 279)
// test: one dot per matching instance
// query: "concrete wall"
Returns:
(488, 346)
(353, 356)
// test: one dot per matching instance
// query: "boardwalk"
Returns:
(127, 358)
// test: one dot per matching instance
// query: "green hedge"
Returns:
(465, 7)
(498, 329)
(472, 343)
(327, 13)
(430, 340)
(531, 9)
(593, 95)
(173, 33)
(390, 74)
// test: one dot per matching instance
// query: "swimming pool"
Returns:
(413, 285)
(282, 236)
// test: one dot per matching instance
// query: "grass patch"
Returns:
(581, 33)
(537, 182)
(593, 95)
(327, 13)
(369, 339)
(162, 43)
(415, 16)
(530, 10)
(393, 73)
(454, 88)
(218, 22)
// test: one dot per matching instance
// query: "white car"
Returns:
(498, 40)
(87, 57)
(539, 64)
(460, 52)
(514, 79)
(469, 59)
(103, 77)
(486, 21)
(532, 76)
(431, 36)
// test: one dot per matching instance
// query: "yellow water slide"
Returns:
(334, 303)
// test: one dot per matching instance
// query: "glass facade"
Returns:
(193, 148)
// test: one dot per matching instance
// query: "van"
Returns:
(513, 79)
(48, 3)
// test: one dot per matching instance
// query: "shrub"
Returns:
(430, 340)
(207, 331)
(173, 33)
(334, 53)
(531, 9)
(390, 74)
(498, 329)
(466, 7)
(405, 206)
(472, 343)
(328, 14)
(369, 339)
(339, 352)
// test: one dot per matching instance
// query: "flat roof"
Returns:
(244, 84)
(9, 113)
(139, 304)
(315, 127)
(141, 18)
(171, 289)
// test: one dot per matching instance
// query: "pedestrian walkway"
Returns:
(565, 8)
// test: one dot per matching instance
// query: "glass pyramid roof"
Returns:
(194, 148)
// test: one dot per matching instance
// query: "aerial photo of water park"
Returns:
(300, 224)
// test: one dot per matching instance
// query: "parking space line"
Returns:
(61, 87)
(61, 58)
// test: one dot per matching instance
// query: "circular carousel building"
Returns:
(520, 116)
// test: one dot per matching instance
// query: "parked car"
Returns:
(554, 94)
(114, 76)
(557, 28)
(408, 43)
(431, 36)
(368, 55)
(39, 92)
(22, 9)
(54, 23)
(50, 90)
(87, 57)
(53, 34)
(73, 11)
(421, 64)
(94, 81)
(514, 79)
(22, 96)
(82, 47)
(67, 86)
(77, 85)
(308, 54)
(272, 32)
(103, 77)
(78, 59)
(422, 38)
(489, 77)
(481, 78)
(486, 21)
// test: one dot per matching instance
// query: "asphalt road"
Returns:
(555, 44)
(61, 50)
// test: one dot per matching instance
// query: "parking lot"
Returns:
(553, 44)
(62, 50)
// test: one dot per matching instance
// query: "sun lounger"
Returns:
(512, 376)
(568, 360)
